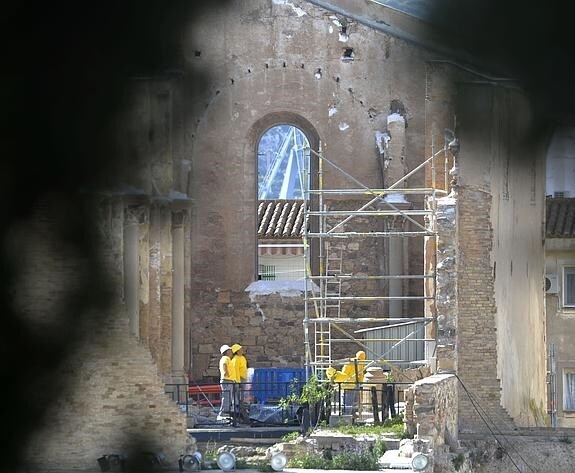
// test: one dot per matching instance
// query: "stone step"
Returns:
(392, 461)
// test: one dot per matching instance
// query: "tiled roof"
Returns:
(280, 218)
(560, 218)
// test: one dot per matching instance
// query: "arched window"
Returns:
(283, 153)
(283, 163)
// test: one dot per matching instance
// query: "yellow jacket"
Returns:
(347, 374)
(240, 368)
(227, 370)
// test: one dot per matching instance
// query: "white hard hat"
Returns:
(225, 348)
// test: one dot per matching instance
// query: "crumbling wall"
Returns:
(105, 395)
(446, 284)
(431, 411)
(114, 403)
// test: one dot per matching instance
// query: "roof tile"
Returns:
(560, 218)
(280, 219)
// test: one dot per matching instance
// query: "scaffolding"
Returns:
(331, 323)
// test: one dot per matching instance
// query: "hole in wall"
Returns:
(347, 55)
(284, 64)
(337, 79)
(396, 106)
(303, 66)
(317, 73)
(197, 53)
(232, 81)
(249, 71)
(267, 65)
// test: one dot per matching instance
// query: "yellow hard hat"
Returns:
(330, 372)
(360, 355)
(236, 347)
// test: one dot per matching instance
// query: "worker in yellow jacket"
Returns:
(240, 363)
(227, 381)
(240, 368)
(349, 379)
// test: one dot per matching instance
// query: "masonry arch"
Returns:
(283, 144)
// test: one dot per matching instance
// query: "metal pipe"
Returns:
(371, 298)
(347, 340)
(280, 245)
(342, 320)
(375, 213)
(380, 192)
(369, 234)
(370, 202)
(349, 276)
(383, 327)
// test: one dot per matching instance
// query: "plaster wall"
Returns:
(560, 325)
(501, 180)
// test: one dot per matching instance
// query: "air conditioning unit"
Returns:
(551, 285)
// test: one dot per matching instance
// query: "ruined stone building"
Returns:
(185, 240)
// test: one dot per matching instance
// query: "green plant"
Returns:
(458, 461)
(291, 436)
(211, 451)
(312, 392)
(364, 459)
(309, 461)
(395, 420)
(565, 439)
(242, 464)
(405, 435)
(393, 426)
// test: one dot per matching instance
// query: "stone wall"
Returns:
(446, 285)
(266, 319)
(431, 411)
(289, 70)
(96, 390)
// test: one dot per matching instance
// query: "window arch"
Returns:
(283, 163)
(285, 169)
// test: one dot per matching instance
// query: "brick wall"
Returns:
(96, 389)
(113, 403)
(476, 326)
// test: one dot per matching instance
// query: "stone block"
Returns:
(206, 348)
(224, 297)
(335, 421)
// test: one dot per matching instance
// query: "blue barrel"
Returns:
(269, 385)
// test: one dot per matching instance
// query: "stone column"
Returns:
(166, 281)
(178, 371)
(395, 170)
(155, 299)
(143, 276)
(396, 268)
(132, 217)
